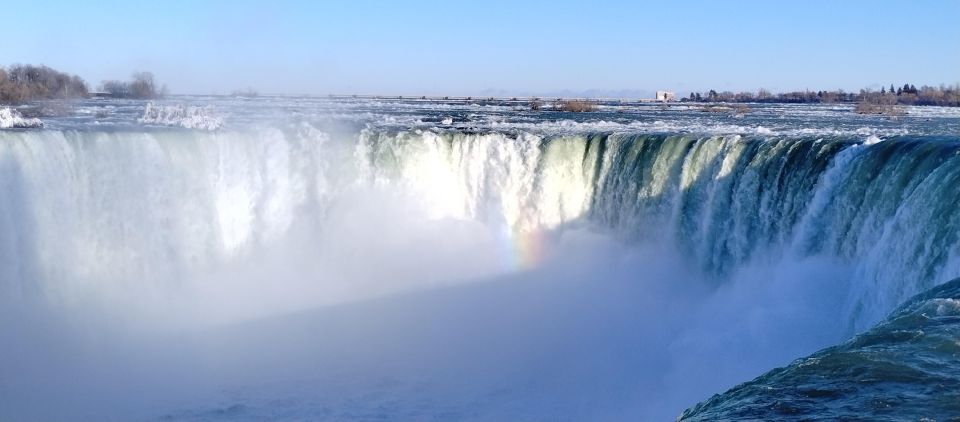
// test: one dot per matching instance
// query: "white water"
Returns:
(474, 277)
(10, 118)
(188, 117)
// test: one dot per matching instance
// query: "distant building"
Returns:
(664, 96)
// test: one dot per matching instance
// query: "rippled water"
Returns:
(503, 115)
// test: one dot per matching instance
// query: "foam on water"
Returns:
(10, 118)
(872, 140)
(505, 115)
(188, 117)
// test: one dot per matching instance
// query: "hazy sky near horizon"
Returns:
(505, 47)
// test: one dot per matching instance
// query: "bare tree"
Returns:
(142, 86)
(28, 82)
(575, 106)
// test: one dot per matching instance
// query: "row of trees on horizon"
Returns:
(25, 82)
(19, 83)
(908, 94)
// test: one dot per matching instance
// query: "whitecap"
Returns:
(10, 118)
(188, 117)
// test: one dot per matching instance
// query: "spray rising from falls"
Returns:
(87, 208)
(187, 228)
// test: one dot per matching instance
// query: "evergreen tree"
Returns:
(883, 90)
(891, 89)
(899, 91)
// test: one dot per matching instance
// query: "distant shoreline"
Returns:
(596, 100)
(25, 83)
(518, 100)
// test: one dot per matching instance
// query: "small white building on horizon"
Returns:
(664, 96)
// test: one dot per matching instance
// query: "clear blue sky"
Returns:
(454, 47)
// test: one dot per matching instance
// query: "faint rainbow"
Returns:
(523, 249)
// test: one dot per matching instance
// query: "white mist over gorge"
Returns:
(349, 259)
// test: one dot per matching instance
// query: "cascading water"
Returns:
(184, 230)
(886, 209)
